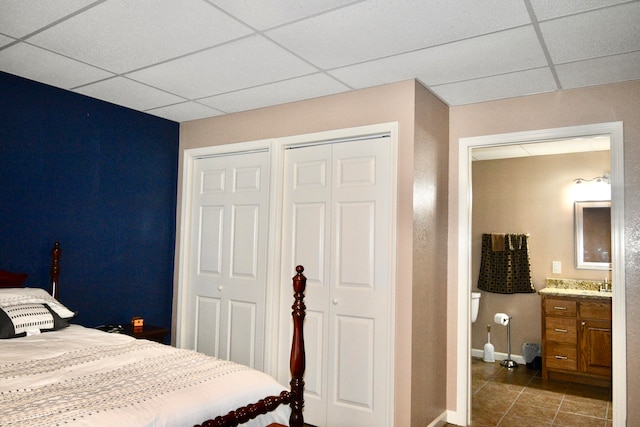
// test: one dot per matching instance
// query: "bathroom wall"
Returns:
(533, 195)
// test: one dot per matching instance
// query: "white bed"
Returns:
(53, 372)
(79, 376)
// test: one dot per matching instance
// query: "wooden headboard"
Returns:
(54, 270)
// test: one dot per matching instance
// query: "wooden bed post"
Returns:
(297, 361)
(54, 270)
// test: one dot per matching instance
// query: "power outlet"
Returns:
(556, 267)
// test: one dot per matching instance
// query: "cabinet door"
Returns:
(595, 347)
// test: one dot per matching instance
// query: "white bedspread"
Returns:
(79, 377)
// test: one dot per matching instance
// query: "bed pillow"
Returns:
(15, 296)
(12, 280)
(28, 319)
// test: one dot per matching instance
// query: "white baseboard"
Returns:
(440, 421)
(453, 417)
(518, 358)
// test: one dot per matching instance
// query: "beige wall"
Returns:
(429, 258)
(389, 103)
(606, 103)
(533, 195)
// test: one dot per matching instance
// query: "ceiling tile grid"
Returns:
(190, 59)
(44, 66)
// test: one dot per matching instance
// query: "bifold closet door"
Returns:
(337, 224)
(226, 285)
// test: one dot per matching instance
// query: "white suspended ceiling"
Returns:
(190, 59)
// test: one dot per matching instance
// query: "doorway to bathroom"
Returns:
(467, 146)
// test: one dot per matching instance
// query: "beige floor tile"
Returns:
(519, 397)
(540, 384)
(591, 408)
(540, 399)
(573, 420)
(538, 413)
(513, 420)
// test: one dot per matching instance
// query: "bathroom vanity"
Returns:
(576, 335)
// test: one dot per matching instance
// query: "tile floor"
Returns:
(519, 397)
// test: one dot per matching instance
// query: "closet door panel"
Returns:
(354, 347)
(305, 236)
(225, 290)
(336, 223)
(360, 310)
(208, 326)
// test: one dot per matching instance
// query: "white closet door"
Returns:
(337, 224)
(226, 286)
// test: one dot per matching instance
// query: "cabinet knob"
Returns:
(335, 301)
(583, 323)
(220, 288)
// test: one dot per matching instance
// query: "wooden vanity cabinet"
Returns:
(576, 339)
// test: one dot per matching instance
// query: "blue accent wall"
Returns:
(100, 179)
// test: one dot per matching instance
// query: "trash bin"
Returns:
(532, 354)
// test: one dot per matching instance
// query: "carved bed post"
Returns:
(297, 361)
(54, 270)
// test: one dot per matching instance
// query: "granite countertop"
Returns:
(574, 288)
(585, 293)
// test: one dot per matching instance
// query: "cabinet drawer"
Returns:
(561, 330)
(560, 307)
(562, 356)
(595, 310)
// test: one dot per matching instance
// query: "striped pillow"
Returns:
(28, 319)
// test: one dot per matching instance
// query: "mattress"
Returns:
(78, 376)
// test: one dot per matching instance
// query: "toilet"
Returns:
(475, 304)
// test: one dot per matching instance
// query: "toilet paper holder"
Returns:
(505, 320)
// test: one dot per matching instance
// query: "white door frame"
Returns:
(463, 344)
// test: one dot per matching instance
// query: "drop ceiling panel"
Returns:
(244, 54)
(278, 12)
(547, 9)
(185, 111)
(4, 40)
(122, 91)
(600, 70)
(19, 18)
(306, 87)
(379, 28)
(506, 51)
(121, 35)
(225, 68)
(593, 34)
(43, 66)
(503, 86)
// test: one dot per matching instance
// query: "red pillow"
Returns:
(12, 280)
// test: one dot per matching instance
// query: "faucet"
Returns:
(605, 286)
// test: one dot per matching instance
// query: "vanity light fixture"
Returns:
(604, 178)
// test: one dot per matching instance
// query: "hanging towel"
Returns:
(505, 267)
(497, 242)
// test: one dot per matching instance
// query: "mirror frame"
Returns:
(579, 236)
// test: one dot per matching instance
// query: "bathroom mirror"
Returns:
(593, 235)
